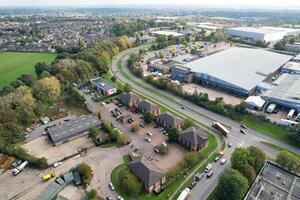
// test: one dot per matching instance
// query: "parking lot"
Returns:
(212, 93)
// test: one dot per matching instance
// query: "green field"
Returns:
(13, 64)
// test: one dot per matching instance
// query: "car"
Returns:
(229, 145)
(182, 107)
(130, 121)
(243, 131)
(223, 161)
(109, 198)
(147, 139)
(111, 186)
(161, 129)
(57, 164)
(142, 125)
(209, 174)
(156, 125)
(149, 134)
(217, 158)
(120, 198)
(243, 126)
(165, 132)
(193, 184)
(198, 176)
(164, 144)
(156, 150)
(103, 103)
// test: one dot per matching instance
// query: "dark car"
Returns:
(156, 125)
(243, 131)
(193, 184)
(243, 126)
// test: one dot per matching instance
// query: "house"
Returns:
(152, 178)
(168, 121)
(129, 99)
(103, 86)
(193, 138)
(145, 106)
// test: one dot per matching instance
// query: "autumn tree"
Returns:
(288, 161)
(249, 172)
(130, 183)
(47, 89)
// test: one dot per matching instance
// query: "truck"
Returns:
(220, 128)
(290, 114)
(47, 177)
(271, 108)
(184, 194)
(18, 169)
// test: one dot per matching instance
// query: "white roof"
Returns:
(266, 30)
(294, 66)
(167, 33)
(255, 101)
(243, 67)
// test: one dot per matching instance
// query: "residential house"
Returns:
(103, 86)
(168, 121)
(129, 99)
(152, 178)
(145, 106)
(193, 138)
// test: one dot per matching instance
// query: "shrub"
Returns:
(130, 183)
(134, 127)
(86, 173)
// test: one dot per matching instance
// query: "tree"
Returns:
(113, 79)
(127, 88)
(258, 157)
(232, 185)
(47, 89)
(288, 161)
(130, 183)
(103, 62)
(240, 157)
(121, 139)
(149, 117)
(86, 173)
(163, 149)
(92, 195)
(173, 134)
(249, 172)
(188, 123)
(40, 67)
(134, 127)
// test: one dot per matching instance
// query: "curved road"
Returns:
(202, 116)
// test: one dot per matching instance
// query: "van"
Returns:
(208, 168)
(290, 114)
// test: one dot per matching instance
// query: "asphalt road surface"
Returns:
(202, 116)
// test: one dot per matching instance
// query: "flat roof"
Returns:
(67, 130)
(102, 83)
(243, 67)
(294, 66)
(167, 33)
(265, 29)
(286, 88)
(274, 182)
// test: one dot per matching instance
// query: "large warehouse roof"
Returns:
(73, 128)
(243, 67)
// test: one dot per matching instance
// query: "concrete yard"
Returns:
(212, 93)
(42, 147)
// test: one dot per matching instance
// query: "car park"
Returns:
(111, 186)
(147, 139)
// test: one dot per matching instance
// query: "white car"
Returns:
(103, 103)
(120, 198)
(223, 161)
(111, 186)
(149, 134)
(147, 139)
(164, 144)
(57, 164)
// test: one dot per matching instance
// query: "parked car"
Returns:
(120, 198)
(149, 134)
(111, 186)
(217, 158)
(243, 131)
(142, 125)
(156, 150)
(57, 164)
(193, 184)
(182, 107)
(164, 144)
(156, 125)
(109, 198)
(209, 174)
(243, 126)
(223, 161)
(147, 139)
(229, 145)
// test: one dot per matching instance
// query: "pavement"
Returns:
(202, 116)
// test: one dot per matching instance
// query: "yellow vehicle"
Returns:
(47, 177)
(221, 154)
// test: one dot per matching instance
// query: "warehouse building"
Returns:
(268, 34)
(291, 67)
(274, 182)
(285, 91)
(72, 129)
(237, 70)
(103, 87)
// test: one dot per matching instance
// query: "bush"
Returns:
(86, 173)
(130, 183)
(173, 134)
(93, 134)
(289, 161)
(163, 149)
(149, 117)
(134, 127)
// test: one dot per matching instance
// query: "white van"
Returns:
(208, 168)
(290, 114)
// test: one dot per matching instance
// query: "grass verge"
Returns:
(278, 148)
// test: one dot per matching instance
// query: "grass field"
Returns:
(13, 64)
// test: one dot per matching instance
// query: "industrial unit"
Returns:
(274, 182)
(268, 34)
(72, 129)
(237, 70)
(103, 86)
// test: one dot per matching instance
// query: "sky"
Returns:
(293, 4)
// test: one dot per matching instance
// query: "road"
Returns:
(252, 138)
